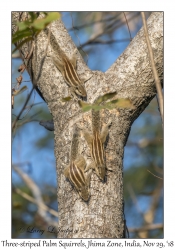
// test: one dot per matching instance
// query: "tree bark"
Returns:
(131, 77)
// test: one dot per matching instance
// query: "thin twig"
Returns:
(102, 42)
(29, 107)
(128, 26)
(78, 37)
(134, 199)
(34, 104)
(30, 54)
(108, 29)
(156, 77)
(29, 119)
(20, 113)
(36, 193)
(31, 199)
(146, 228)
(16, 56)
(155, 175)
(34, 85)
(21, 82)
(91, 23)
(158, 104)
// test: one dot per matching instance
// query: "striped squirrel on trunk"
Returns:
(75, 170)
(68, 68)
(96, 142)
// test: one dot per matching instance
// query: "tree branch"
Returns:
(20, 113)
(34, 81)
(146, 228)
(96, 42)
(155, 175)
(31, 199)
(157, 81)
(115, 25)
(38, 197)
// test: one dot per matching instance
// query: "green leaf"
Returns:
(17, 92)
(20, 35)
(97, 107)
(109, 106)
(40, 24)
(23, 25)
(33, 26)
(66, 99)
(85, 106)
(114, 104)
(33, 16)
(52, 16)
(20, 44)
(105, 97)
(122, 103)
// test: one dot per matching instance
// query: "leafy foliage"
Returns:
(31, 27)
(117, 103)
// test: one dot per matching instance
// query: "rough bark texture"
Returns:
(131, 76)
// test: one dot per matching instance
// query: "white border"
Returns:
(5, 107)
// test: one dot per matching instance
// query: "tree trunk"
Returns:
(131, 77)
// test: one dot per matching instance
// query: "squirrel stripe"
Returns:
(76, 176)
(71, 74)
(97, 150)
